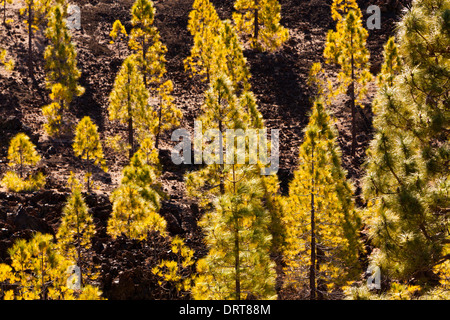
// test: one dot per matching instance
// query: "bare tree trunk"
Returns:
(256, 23)
(237, 262)
(30, 35)
(312, 270)
(352, 102)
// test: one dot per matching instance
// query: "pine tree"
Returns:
(88, 147)
(346, 47)
(4, 2)
(7, 63)
(259, 20)
(62, 74)
(204, 25)
(145, 42)
(176, 272)
(320, 219)
(118, 33)
(136, 202)
(230, 58)
(22, 155)
(406, 182)
(76, 229)
(238, 265)
(166, 115)
(391, 65)
(128, 100)
(38, 271)
(221, 111)
(35, 12)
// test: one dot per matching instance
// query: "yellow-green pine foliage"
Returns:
(8, 63)
(230, 58)
(238, 265)
(320, 202)
(221, 111)
(118, 33)
(34, 14)
(407, 182)
(145, 42)
(61, 56)
(38, 270)
(22, 155)
(346, 47)
(3, 3)
(136, 202)
(204, 25)
(391, 65)
(259, 22)
(87, 146)
(76, 229)
(273, 201)
(128, 100)
(62, 74)
(176, 273)
(166, 115)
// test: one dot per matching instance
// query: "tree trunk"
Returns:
(130, 122)
(312, 270)
(256, 24)
(237, 262)
(222, 182)
(159, 125)
(79, 249)
(30, 35)
(352, 101)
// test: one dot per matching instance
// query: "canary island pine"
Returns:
(8, 63)
(136, 202)
(4, 3)
(259, 22)
(406, 182)
(34, 13)
(204, 26)
(22, 156)
(145, 42)
(118, 34)
(176, 273)
(322, 245)
(62, 74)
(128, 100)
(76, 230)
(39, 271)
(346, 47)
(238, 265)
(87, 146)
(166, 115)
(221, 111)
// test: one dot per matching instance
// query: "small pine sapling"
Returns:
(87, 146)
(22, 155)
(259, 21)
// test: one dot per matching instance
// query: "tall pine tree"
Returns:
(259, 20)
(406, 182)
(322, 227)
(346, 47)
